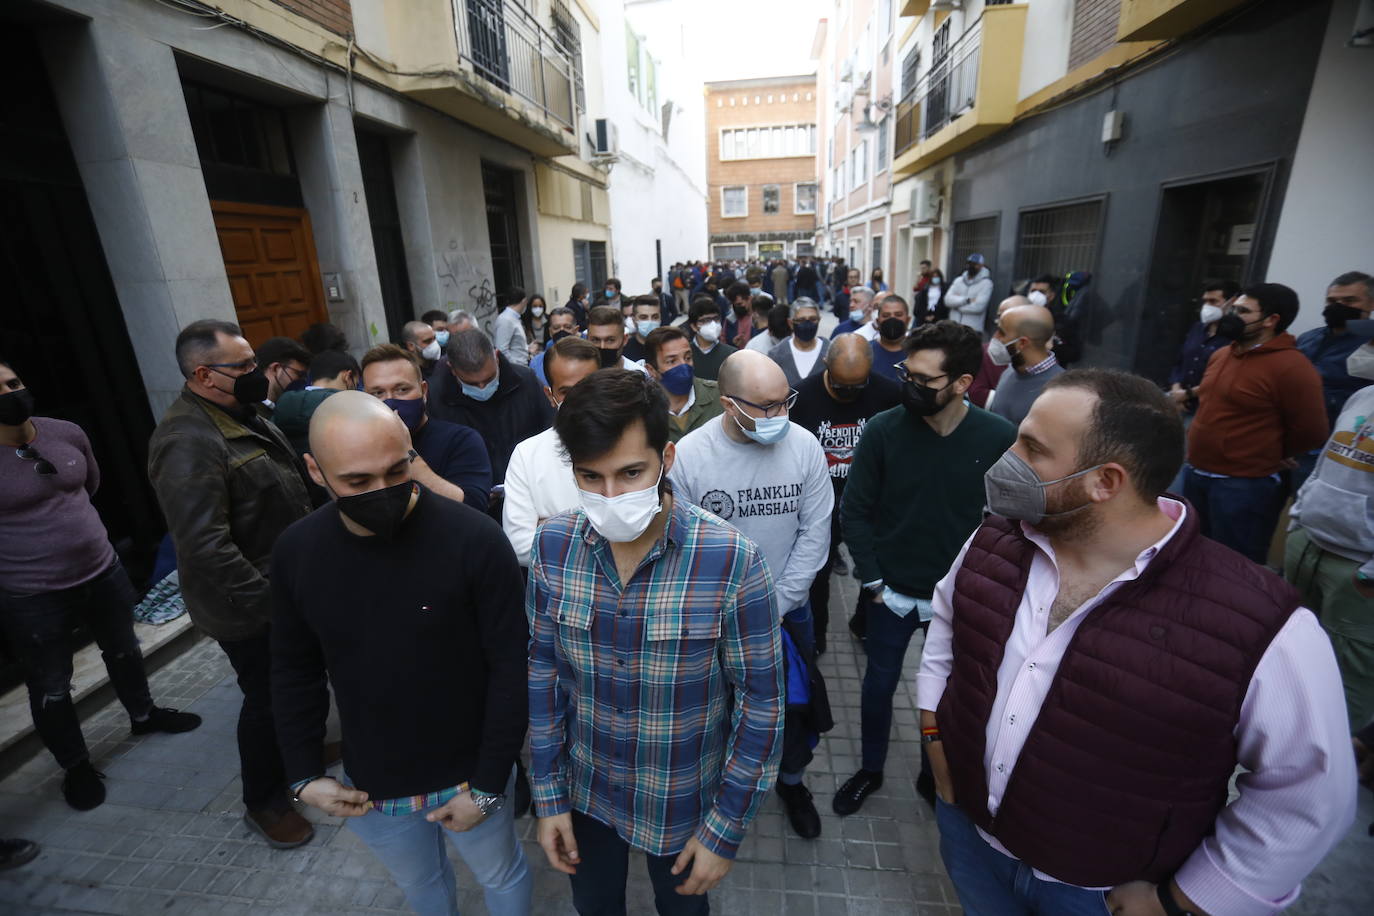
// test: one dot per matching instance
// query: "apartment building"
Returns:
(1153, 144)
(855, 50)
(761, 144)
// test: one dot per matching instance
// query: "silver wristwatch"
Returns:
(487, 804)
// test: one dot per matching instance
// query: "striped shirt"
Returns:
(656, 708)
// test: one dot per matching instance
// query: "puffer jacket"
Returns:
(227, 489)
(967, 299)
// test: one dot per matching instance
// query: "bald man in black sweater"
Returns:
(411, 606)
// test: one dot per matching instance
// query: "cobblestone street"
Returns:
(170, 838)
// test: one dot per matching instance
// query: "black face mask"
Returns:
(380, 511)
(556, 336)
(922, 400)
(892, 328)
(740, 310)
(1231, 327)
(610, 359)
(805, 330)
(1336, 315)
(16, 407)
(249, 388)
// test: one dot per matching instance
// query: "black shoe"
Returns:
(522, 790)
(801, 810)
(850, 797)
(82, 788)
(166, 719)
(925, 787)
(14, 853)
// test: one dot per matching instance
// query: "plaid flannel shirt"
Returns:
(656, 708)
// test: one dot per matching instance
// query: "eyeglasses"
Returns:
(849, 389)
(246, 365)
(923, 380)
(776, 409)
(41, 465)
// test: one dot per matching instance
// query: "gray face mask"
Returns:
(1015, 491)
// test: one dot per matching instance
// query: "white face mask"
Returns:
(431, 351)
(998, 353)
(1360, 363)
(538, 311)
(622, 518)
(1037, 297)
(629, 326)
(710, 331)
(1209, 314)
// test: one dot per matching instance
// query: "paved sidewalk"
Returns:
(170, 839)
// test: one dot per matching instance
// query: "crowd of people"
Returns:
(610, 529)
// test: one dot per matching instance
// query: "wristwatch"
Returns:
(1166, 899)
(487, 804)
(299, 787)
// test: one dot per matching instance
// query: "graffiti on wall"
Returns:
(466, 285)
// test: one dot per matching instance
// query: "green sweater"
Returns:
(913, 497)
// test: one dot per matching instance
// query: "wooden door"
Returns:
(274, 277)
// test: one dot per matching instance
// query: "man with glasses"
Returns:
(287, 366)
(834, 406)
(915, 492)
(57, 568)
(228, 483)
(770, 481)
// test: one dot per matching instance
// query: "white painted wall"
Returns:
(658, 187)
(1045, 55)
(1327, 220)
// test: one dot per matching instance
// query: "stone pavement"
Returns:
(170, 839)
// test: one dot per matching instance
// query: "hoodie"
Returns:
(1256, 407)
(968, 299)
(1336, 505)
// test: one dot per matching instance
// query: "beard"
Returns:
(1081, 519)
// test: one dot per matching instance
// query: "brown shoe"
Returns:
(281, 829)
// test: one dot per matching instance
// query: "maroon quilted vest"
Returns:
(1127, 765)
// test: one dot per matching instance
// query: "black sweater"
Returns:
(423, 639)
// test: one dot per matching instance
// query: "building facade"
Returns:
(761, 142)
(856, 50)
(1116, 137)
(284, 162)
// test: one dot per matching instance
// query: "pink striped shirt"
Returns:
(1297, 790)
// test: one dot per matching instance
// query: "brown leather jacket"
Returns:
(227, 490)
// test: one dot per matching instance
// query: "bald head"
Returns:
(1033, 322)
(751, 375)
(1011, 302)
(357, 444)
(849, 360)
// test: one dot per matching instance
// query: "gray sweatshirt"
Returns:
(1336, 504)
(779, 496)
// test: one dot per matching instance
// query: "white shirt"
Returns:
(804, 359)
(868, 332)
(1296, 800)
(627, 364)
(691, 399)
(539, 485)
(763, 342)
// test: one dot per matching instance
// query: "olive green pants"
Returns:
(1326, 582)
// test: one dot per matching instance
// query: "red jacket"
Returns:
(1255, 408)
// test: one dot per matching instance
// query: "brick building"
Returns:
(761, 166)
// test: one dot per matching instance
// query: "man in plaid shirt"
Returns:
(655, 673)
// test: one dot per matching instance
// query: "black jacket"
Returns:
(515, 412)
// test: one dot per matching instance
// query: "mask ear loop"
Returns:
(1050, 483)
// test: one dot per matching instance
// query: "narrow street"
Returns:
(170, 839)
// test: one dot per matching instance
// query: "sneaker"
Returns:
(166, 719)
(82, 788)
(14, 853)
(801, 810)
(858, 787)
(281, 829)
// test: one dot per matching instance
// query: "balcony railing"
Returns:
(904, 132)
(508, 48)
(948, 89)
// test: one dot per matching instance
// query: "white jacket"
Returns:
(968, 299)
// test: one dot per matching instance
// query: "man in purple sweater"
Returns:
(57, 567)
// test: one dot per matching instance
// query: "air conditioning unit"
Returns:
(605, 137)
(939, 5)
(926, 204)
(847, 69)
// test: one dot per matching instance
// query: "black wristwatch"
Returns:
(1166, 899)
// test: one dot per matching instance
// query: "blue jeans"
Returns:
(1240, 512)
(992, 884)
(413, 851)
(886, 642)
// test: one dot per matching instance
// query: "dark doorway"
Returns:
(1207, 230)
(61, 326)
(379, 186)
(503, 230)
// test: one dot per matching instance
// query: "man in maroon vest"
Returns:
(1096, 670)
